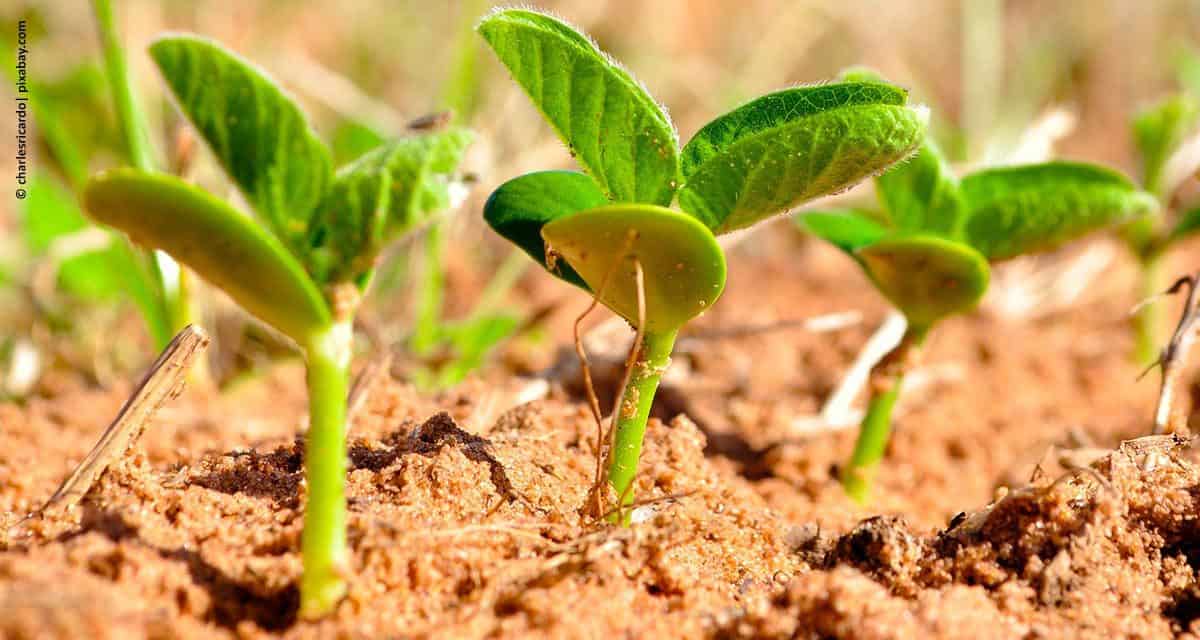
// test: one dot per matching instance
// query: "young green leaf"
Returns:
(221, 244)
(922, 194)
(1018, 210)
(846, 229)
(1158, 131)
(471, 340)
(423, 169)
(257, 132)
(351, 139)
(519, 209)
(683, 266)
(860, 74)
(794, 145)
(926, 277)
(348, 233)
(615, 130)
(383, 194)
(1189, 224)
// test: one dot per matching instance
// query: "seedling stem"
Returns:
(323, 543)
(887, 376)
(1149, 320)
(634, 410)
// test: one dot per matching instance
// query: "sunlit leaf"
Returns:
(926, 277)
(1159, 130)
(860, 74)
(222, 245)
(788, 147)
(1018, 210)
(352, 139)
(257, 132)
(922, 195)
(347, 235)
(683, 266)
(612, 126)
(381, 196)
(846, 229)
(519, 209)
(424, 170)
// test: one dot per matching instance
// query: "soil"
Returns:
(1008, 506)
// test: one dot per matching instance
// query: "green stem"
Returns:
(323, 544)
(177, 311)
(129, 115)
(887, 378)
(633, 412)
(429, 293)
(1148, 322)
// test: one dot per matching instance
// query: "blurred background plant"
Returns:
(1002, 77)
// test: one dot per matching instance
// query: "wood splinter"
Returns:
(164, 381)
(1169, 418)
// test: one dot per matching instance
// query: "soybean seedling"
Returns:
(1168, 155)
(928, 252)
(302, 262)
(609, 230)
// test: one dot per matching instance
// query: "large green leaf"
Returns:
(792, 146)
(519, 209)
(382, 195)
(683, 266)
(1158, 130)
(615, 130)
(257, 132)
(224, 246)
(1018, 210)
(926, 277)
(846, 229)
(922, 195)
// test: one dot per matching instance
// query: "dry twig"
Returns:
(163, 382)
(1174, 356)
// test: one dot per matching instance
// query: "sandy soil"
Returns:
(1003, 510)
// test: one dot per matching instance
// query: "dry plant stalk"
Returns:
(1167, 416)
(164, 381)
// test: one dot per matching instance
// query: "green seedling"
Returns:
(301, 262)
(928, 252)
(81, 115)
(609, 230)
(1160, 133)
(170, 280)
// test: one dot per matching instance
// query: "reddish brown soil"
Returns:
(466, 513)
